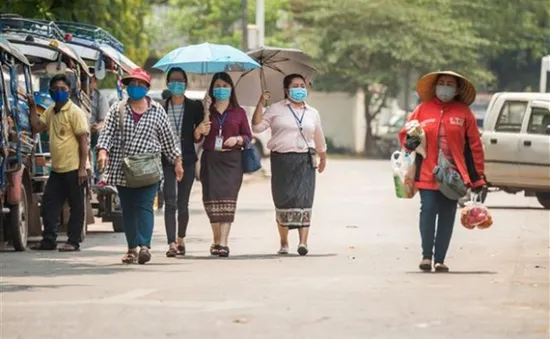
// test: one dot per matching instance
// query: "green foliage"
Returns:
(124, 19)
(218, 21)
(374, 41)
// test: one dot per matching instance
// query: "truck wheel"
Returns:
(544, 199)
(18, 222)
(118, 225)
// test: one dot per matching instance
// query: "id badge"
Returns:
(219, 143)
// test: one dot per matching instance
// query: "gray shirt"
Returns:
(100, 107)
(175, 116)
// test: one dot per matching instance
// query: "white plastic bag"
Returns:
(404, 169)
(413, 128)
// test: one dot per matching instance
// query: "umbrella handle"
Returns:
(262, 80)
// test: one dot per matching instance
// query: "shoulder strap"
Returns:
(121, 108)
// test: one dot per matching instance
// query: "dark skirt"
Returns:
(293, 188)
(221, 177)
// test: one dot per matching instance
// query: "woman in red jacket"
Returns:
(450, 126)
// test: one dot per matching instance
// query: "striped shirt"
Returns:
(175, 115)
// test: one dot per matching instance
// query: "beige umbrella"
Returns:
(276, 64)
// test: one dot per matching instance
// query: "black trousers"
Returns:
(60, 188)
(176, 198)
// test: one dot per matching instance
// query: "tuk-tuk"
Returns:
(43, 45)
(16, 149)
(99, 48)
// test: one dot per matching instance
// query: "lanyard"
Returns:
(178, 120)
(298, 120)
(221, 121)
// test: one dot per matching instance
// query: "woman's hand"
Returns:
(265, 97)
(178, 170)
(322, 163)
(203, 128)
(232, 141)
(207, 102)
(102, 159)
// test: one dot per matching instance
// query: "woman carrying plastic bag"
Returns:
(452, 145)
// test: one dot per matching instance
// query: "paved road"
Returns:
(360, 280)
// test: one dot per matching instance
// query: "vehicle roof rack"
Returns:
(16, 24)
(90, 33)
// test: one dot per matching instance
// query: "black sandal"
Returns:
(223, 252)
(44, 246)
(181, 250)
(172, 252)
(214, 249)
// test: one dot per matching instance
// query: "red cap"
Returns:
(139, 74)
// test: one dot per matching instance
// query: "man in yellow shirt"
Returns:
(68, 129)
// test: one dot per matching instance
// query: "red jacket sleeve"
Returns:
(403, 132)
(476, 146)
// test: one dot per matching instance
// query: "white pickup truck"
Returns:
(516, 139)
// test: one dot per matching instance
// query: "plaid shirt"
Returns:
(153, 134)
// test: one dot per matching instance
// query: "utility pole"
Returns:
(260, 21)
(244, 23)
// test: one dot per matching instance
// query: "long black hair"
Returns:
(288, 80)
(233, 102)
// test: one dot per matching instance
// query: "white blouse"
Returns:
(285, 121)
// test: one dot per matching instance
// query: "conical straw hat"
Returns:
(425, 87)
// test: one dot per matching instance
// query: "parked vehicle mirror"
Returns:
(54, 68)
(99, 69)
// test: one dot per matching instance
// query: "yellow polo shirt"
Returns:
(63, 128)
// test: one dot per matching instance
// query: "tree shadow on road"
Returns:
(517, 208)
(255, 256)
(6, 288)
(455, 272)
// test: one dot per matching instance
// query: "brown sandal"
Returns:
(144, 256)
(129, 257)
(425, 265)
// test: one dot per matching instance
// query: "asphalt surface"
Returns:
(360, 279)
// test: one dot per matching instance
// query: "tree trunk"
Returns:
(370, 147)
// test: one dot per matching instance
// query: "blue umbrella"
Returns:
(207, 58)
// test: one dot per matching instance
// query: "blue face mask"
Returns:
(221, 93)
(136, 92)
(297, 94)
(176, 88)
(59, 96)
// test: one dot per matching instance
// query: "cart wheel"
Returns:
(118, 225)
(18, 222)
